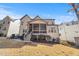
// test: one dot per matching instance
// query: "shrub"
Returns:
(71, 43)
(65, 43)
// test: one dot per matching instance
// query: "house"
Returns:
(4, 25)
(14, 28)
(70, 32)
(38, 29)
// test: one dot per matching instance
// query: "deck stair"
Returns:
(27, 36)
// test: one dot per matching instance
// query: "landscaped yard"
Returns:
(12, 47)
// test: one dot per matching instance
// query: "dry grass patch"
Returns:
(37, 50)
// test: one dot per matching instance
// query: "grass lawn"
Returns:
(15, 48)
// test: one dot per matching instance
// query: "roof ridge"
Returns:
(25, 16)
(37, 17)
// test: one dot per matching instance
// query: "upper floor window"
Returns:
(36, 27)
(0, 27)
(53, 30)
(8, 22)
(4, 28)
(4, 22)
(42, 26)
(49, 30)
(21, 23)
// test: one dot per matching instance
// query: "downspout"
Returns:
(65, 33)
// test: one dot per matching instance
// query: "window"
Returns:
(67, 24)
(60, 28)
(49, 30)
(8, 22)
(0, 27)
(59, 34)
(21, 23)
(36, 27)
(73, 23)
(4, 28)
(42, 26)
(4, 22)
(52, 30)
(24, 30)
(76, 31)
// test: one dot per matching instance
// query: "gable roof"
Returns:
(25, 16)
(7, 17)
(37, 17)
(36, 21)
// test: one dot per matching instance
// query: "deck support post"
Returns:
(37, 37)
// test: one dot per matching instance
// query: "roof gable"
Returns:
(7, 18)
(37, 17)
(25, 17)
(38, 21)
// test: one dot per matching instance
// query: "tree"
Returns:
(74, 8)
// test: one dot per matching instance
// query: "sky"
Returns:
(56, 11)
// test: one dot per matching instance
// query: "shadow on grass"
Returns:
(46, 43)
(25, 43)
(18, 45)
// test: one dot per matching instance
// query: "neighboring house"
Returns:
(4, 25)
(13, 28)
(70, 32)
(38, 29)
(1, 23)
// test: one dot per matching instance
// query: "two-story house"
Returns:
(4, 25)
(38, 29)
